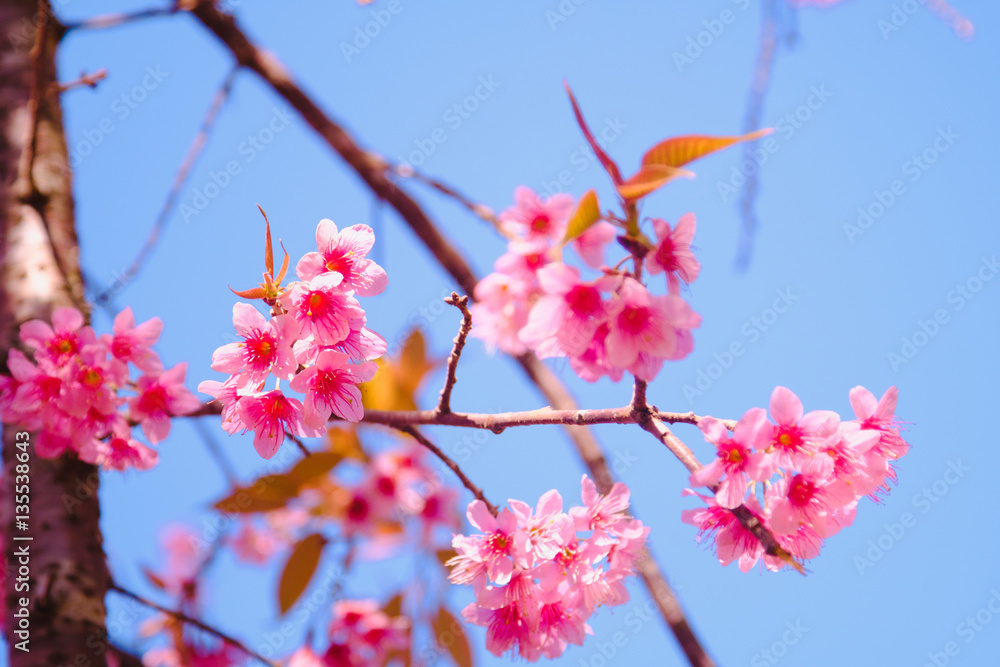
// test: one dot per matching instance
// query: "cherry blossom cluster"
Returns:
(395, 485)
(361, 635)
(539, 575)
(535, 301)
(316, 338)
(77, 393)
(802, 475)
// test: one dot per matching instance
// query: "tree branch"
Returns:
(201, 625)
(190, 160)
(371, 170)
(460, 302)
(454, 467)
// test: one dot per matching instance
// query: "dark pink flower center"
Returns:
(121, 347)
(801, 491)
(634, 319)
(788, 438)
(91, 377)
(262, 348)
(153, 400)
(583, 300)
(318, 304)
(357, 509)
(342, 264)
(534, 261)
(63, 345)
(541, 223)
(665, 255)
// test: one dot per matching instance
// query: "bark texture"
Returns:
(39, 271)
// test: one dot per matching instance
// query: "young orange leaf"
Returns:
(313, 466)
(450, 635)
(679, 151)
(587, 213)
(608, 164)
(299, 570)
(649, 178)
(268, 493)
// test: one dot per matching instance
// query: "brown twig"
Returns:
(181, 616)
(499, 421)
(479, 210)
(460, 302)
(121, 18)
(194, 152)
(89, 80)
(454, 467)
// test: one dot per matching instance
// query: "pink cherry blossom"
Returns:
(673, 252)
(331, 386)
(269, 416)
(344, 252)
(492, 555)
(160, 397)
(736, 458)
(795, 436)
(880, 416)
(118, 452)
(131, 344)
(226, 393)
(640, 322)
(321, 309)
(590, 244)
(62, 340)
(533, 218)
(266, 349)
(567, 315)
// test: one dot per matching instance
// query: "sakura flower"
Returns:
(590, 244)
(119, 452)
(331, 386)
(162, 396)
(536, 219)
(673, 252)
(548, 529)
(62, 340)
(227, 394)
(254, 545)
(131, 344)
(880, 416)
(795, 437)
(640, 322)
(803, 499)
(602, 513)
(321, 309)
(733, 542)
(736, 458)
(267, 348)
(345, 252)
(507, 628)
(493, 554)
(568, 314)
(270, 415)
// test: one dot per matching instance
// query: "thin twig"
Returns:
(468, 483)
(212, 445)
(89, 80)
(121, 18)
(460, 302)
(298, 443)
(181, 616)
(194, 152)
(479, 210)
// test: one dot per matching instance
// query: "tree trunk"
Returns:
(66, 572)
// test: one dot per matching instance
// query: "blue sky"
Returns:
(899, 124)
